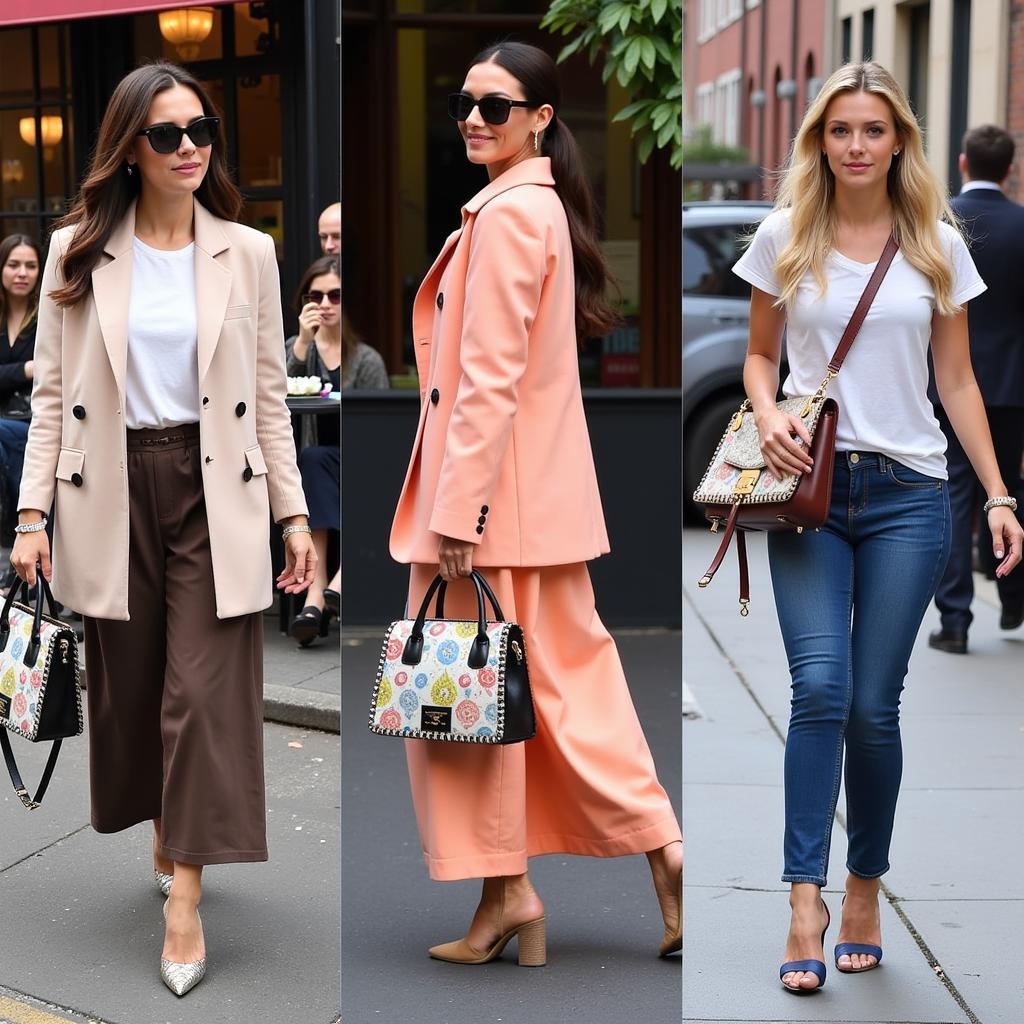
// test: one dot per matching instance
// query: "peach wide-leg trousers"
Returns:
(586, 784)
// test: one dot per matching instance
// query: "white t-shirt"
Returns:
(882, 390)
(162, 381)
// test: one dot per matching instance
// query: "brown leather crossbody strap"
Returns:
(864, 304)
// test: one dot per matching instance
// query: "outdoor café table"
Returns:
(298, 406)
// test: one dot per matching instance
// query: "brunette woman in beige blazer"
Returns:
(161, 437)
(502, 477)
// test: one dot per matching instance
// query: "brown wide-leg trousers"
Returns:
(176, 694)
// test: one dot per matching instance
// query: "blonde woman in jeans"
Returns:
(851, 596)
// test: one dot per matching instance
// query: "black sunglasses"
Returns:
(166, 138)
(317, 296)
(493, 109)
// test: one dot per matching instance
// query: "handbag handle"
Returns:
(412, 653)
(499, 615)
(42, 588)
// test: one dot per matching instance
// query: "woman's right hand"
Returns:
(785, 443)
(30, 548)
(309, 320)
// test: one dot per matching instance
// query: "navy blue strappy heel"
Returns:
(864, 948)
(815, 967)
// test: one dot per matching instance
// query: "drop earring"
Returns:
(131, 169)
(536, 140)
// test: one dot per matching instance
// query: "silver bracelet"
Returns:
(1010, 503)
(31, 527)
(295, 528)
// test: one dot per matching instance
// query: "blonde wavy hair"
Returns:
(807, 188)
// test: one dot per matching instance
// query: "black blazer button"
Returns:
(484, 510)
(482, 520)
(209, 459)
(78, 412)
(247, 474)
(440, 300)
(240, 409)
(479, 529)
(76, 479)
(206, 401)
(435, 396)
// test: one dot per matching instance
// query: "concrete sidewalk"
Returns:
(952, 922)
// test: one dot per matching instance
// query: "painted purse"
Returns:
(460, 680)
(40, 694)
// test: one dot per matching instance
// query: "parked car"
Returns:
(716, 316)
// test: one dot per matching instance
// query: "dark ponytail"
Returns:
(536, 72)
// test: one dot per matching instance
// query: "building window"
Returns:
(920, 19)
(846, 40)
(727, 108)
(36, 144)
(708, 20)
(960, 71)
(867, 33)
(706, 105)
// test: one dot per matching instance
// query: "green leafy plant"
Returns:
(642, 46)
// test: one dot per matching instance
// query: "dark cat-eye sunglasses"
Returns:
(493, 109)
(165, 138)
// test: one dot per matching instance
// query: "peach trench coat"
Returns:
(502, 458)
(76, 448)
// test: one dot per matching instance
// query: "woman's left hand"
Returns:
(1007, 537)
(454, 558)
(299, 564)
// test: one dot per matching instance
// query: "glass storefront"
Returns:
(406, 176)
(36, 129)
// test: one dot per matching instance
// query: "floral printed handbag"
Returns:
(461, 680)
(737, 492)
(40, 695)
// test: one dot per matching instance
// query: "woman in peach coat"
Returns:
(502, 477)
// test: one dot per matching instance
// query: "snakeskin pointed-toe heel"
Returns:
(182, 978)
(163, 882)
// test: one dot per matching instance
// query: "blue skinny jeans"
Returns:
(850, 601)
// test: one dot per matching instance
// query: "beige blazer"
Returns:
(76, 449)
(502, 455)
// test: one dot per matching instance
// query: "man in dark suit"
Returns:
(994, 227)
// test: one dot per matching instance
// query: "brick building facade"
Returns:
(751, 68)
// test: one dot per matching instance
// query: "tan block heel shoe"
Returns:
(530, 938)
(673, 939)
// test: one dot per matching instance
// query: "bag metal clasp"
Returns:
(747, 481)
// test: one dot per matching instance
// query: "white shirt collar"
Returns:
(969, 186)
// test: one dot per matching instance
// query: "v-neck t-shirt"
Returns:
(162, 378)
(882, 390)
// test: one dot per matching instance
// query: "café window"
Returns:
(36, 143)
(407, 181)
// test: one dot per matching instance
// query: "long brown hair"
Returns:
(7, 246)
(537, 74)
(108, 190)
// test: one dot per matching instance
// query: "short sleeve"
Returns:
(757, 265)
(967, 282)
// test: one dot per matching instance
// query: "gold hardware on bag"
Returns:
(715, 523)
(747, 481)
(703, 581)
(799, 529)
(737, 421)
(517, 651)
(64, 652)
(744, 610)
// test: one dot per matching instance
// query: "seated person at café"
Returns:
(19, 299)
